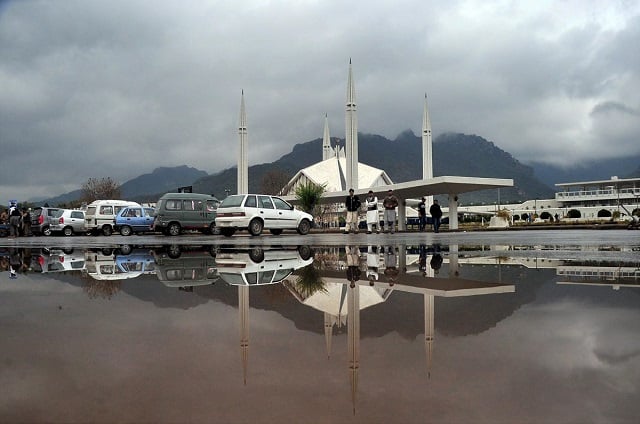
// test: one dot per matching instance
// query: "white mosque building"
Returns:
(340, 169)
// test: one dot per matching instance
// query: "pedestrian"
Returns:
(371, 202)
(4, 216)
(422, 213)
(26, 222)
(352, 202)
(15, 218)
(436, 215)
(390, 203)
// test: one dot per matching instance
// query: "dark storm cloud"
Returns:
(93, 88)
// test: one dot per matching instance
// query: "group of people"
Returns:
(389, 203)
(19, 221)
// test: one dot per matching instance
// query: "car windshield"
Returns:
(232, 201)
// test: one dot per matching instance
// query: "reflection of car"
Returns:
(103, 266)
(70, 222)
(50, 260)
(134, 219)
(255, 266)
(41, 219)
(186, 267)
(256, 212)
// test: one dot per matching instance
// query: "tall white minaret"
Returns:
(243, 163)
(427, 154)
(351, 139)
(326, 140)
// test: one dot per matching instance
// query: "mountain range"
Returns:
(453, 154)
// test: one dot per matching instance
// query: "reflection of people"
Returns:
(436, 215)
(372, 264)
(390, 265)
(353, 262)
(352, 202)
(436, 262)
(371, 202)
(390, 204)
(422, 255)
(15, 262)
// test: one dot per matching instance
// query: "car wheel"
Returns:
(125, 230)
(107, 251)
(107, 230)
(304, 227)
(125, 249)
(67, 231)
(213, 229)
(276, 231)
(46, 231)
(173, 229)
(256, 255)
(227, 232)
(68, 250)
(173, 251)
(305, 252)
(255, 227)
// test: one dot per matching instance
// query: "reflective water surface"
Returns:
(396, 333)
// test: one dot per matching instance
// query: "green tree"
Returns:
(309, 196)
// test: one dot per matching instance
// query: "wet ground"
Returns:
(535, 326)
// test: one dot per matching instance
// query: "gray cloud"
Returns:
(93, 88)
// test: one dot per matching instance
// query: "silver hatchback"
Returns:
(69, 223)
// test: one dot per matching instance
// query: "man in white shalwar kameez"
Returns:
(371, 202)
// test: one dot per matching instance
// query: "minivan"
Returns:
(100, 214)
(176, 212)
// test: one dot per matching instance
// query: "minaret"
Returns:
(243, 163)
(351, 138)
(427, 152)
(326, 140)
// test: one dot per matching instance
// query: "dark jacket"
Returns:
(435, 211)
(352, 203)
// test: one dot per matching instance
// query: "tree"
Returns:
(272, 181)
(103, 188)
(309, 195)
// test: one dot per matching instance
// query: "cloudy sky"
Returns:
(94, 88)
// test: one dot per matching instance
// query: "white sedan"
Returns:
(257, 212)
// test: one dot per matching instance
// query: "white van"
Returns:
(101, 213)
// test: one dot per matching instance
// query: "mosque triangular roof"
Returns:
(332, 172)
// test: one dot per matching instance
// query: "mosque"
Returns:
(340, 169)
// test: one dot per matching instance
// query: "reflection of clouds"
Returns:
(25, 283)
(569, 335)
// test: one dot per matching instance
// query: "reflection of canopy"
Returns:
(333, 299)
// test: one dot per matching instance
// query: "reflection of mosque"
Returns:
(345, 294)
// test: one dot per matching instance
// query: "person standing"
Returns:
(390, 203)
(352, 202)
(436, 215)
(422, 213)
(14, 220)
(371, 202)
(26, 222)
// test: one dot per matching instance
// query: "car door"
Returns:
(77, 221)
(286, 215)
(192, 213)
(268, 212)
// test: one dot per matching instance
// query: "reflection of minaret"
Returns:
(353, 336)
(328, 332)
(243, 308)
(351, 137)
(427, 151)
(428, 328)
(243, 163)
(326, 140)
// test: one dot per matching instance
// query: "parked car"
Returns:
(42, 218)
(70, 222)
(257, 212)
(176, 212)
(100, 214)
(134, 219)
